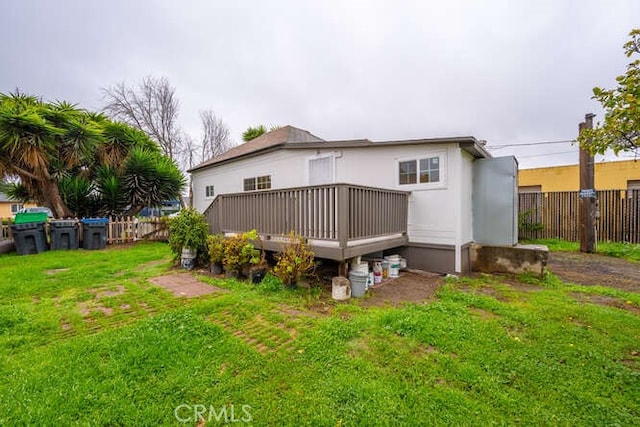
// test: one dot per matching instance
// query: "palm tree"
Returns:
(27, 142)
(81, 163)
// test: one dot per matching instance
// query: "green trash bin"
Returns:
(94, 233)
(29, 238)
(27, 217)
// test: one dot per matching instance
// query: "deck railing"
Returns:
(335, 212)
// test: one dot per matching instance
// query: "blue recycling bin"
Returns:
(29, 238)
(94, 233)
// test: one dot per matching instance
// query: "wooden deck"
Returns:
(339, 221)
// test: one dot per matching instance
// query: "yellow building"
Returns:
(619, 175)
(8, 208)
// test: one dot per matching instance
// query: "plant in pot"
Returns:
(188, 233)
(238, 252)
(257, 257)
(294, 260)
(216, 243)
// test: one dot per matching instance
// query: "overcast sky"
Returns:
(509, 72)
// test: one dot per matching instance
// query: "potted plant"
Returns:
(258, 260)
(294, 260)
(188, 233)
(216, 243)
(240, 254)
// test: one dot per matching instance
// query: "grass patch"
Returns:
(95, 343)
(628, 251)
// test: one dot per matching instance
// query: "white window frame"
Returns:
(442, 172)
(16, 207)
(255, 180)
(207, 194)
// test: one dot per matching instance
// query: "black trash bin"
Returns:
(94, 233)
(29, 237)
(64, 234)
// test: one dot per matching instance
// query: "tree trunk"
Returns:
(134, 210)
(52, 195)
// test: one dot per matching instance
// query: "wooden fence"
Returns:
(556, 215)
(119, 229)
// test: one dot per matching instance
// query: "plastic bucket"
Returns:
(340, 289)
(394, 265)
(188, 259)
(363, 267)
(385, 269)
(358, 281)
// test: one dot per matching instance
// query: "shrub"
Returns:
(294, 260)
(239, 252)
(216, 243)
(189, 229)
(526, 223)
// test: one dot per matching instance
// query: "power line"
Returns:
(498, 147)
(546, 154)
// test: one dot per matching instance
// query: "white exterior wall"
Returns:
(286, 167)
(433, 209)
(439, 213)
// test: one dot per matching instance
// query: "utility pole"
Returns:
(587, 193)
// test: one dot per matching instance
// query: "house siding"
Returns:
(439, 217)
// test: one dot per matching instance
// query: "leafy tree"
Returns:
(80, 163)
(254, 132)
(620, 130)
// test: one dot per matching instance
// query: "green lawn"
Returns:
(628, 251)
(86, 339)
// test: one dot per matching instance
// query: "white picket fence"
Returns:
(120, 230)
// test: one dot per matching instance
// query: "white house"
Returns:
(413, 196)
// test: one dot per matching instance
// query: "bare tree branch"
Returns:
(215, 135)
(151, 107)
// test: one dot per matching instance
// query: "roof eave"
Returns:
(233, 159)
(467, 143)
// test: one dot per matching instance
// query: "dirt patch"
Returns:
(594, 269)
(109, 293)
(605, 300)
(185, 285)
(410, 287)
(86, 309)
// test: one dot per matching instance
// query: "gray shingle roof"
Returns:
(276, 137)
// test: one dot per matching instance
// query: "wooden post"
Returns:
(587, 198)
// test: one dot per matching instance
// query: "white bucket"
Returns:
(363, 267)
(188, 258)
(340, 288)
(394, 265)
(403, 264)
